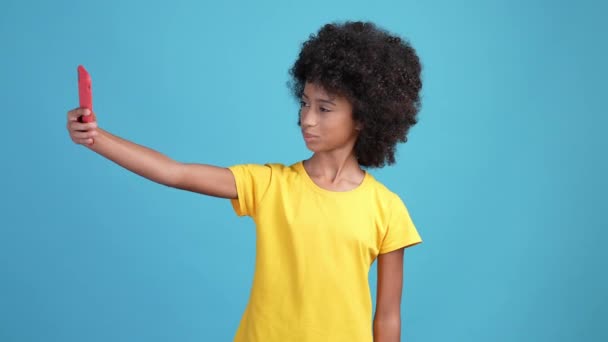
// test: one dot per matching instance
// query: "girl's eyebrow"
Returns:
(320, 100)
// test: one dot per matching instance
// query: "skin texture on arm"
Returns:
(148, 163)
(206, 179)
(136, 158)
(387, 318)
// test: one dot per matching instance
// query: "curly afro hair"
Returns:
(377, 72)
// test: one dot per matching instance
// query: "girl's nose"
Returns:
(308, 118)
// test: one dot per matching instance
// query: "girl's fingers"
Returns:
(83, 135)
(83, 141)
(74, 114)
(77, 126)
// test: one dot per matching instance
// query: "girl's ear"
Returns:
(359, 126)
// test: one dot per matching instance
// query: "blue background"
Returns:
(504, 175)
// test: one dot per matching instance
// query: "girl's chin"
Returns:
(312, 146)
(316, 148)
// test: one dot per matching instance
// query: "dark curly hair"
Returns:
(377, 72)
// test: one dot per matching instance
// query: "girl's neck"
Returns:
(334, 169)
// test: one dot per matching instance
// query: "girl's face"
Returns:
(327, 121)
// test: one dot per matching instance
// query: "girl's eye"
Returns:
(323, 109)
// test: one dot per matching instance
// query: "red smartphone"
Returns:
(85, 94)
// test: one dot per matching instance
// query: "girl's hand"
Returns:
(81, 133)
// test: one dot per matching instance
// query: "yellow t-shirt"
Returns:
(314, 248)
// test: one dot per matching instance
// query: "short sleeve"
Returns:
(252, 182)
(401, 231)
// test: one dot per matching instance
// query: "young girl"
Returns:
(320, 222)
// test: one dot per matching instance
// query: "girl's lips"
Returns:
(309, 136)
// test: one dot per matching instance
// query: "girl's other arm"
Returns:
(387, 318)
(151, 164)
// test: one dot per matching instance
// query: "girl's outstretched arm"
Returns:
(387, 318)
(151, 164)
(205, 179)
